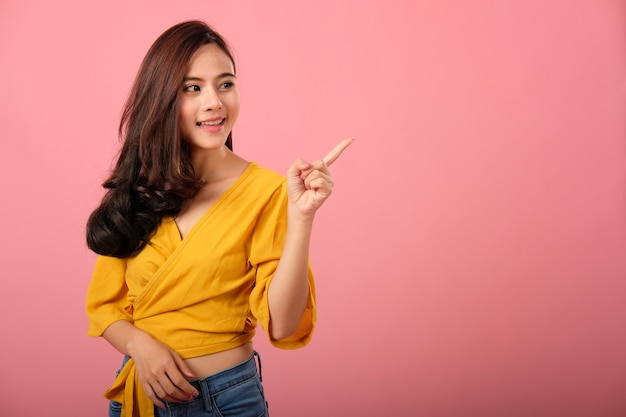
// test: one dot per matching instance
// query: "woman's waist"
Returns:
(207, 365)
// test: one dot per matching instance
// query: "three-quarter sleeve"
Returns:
(265, 252)
(107, 295)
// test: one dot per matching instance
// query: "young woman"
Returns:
(196, 245)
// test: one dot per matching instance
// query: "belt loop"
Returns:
(258, 359)
(206, 395)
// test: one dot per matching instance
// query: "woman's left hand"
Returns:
(310, 184)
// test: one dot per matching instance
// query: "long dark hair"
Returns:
(153, 174)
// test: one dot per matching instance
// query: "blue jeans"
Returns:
(234, 392)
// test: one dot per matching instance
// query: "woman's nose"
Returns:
(211, 100)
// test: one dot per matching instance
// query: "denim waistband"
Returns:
(232, 388)
(227, 378)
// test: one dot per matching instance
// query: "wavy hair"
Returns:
(153, 174)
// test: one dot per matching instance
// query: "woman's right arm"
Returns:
(162, 372)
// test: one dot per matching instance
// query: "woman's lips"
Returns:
(211, 126)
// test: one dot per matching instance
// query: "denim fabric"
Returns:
(115, 408)
(234, 392)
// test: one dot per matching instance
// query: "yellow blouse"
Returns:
(204, 293)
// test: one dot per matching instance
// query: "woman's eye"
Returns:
(192, 88)
(227, 84)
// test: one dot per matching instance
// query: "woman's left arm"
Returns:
(308, 186)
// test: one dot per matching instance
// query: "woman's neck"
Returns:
(216, 164)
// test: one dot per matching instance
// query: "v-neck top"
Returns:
(204, 293)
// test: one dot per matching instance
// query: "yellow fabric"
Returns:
(204, 293)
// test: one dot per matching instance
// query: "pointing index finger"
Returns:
(336, 151)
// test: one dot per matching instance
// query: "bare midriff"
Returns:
(207, 365)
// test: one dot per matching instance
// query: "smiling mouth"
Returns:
(211, 123)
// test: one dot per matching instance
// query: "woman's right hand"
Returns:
(161, 371)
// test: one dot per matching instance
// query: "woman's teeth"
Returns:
(213, 123)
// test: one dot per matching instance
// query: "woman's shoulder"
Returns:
(265, 175)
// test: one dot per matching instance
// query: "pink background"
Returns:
(472, 259)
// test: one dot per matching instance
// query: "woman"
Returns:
(196, 245)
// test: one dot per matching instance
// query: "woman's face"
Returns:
(210, 100)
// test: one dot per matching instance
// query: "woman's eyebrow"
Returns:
(192, 79)
(198, 79)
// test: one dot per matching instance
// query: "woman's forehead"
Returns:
(211, 60)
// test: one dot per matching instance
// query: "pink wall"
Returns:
(472, 260)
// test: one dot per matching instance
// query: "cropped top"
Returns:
(205, 293)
